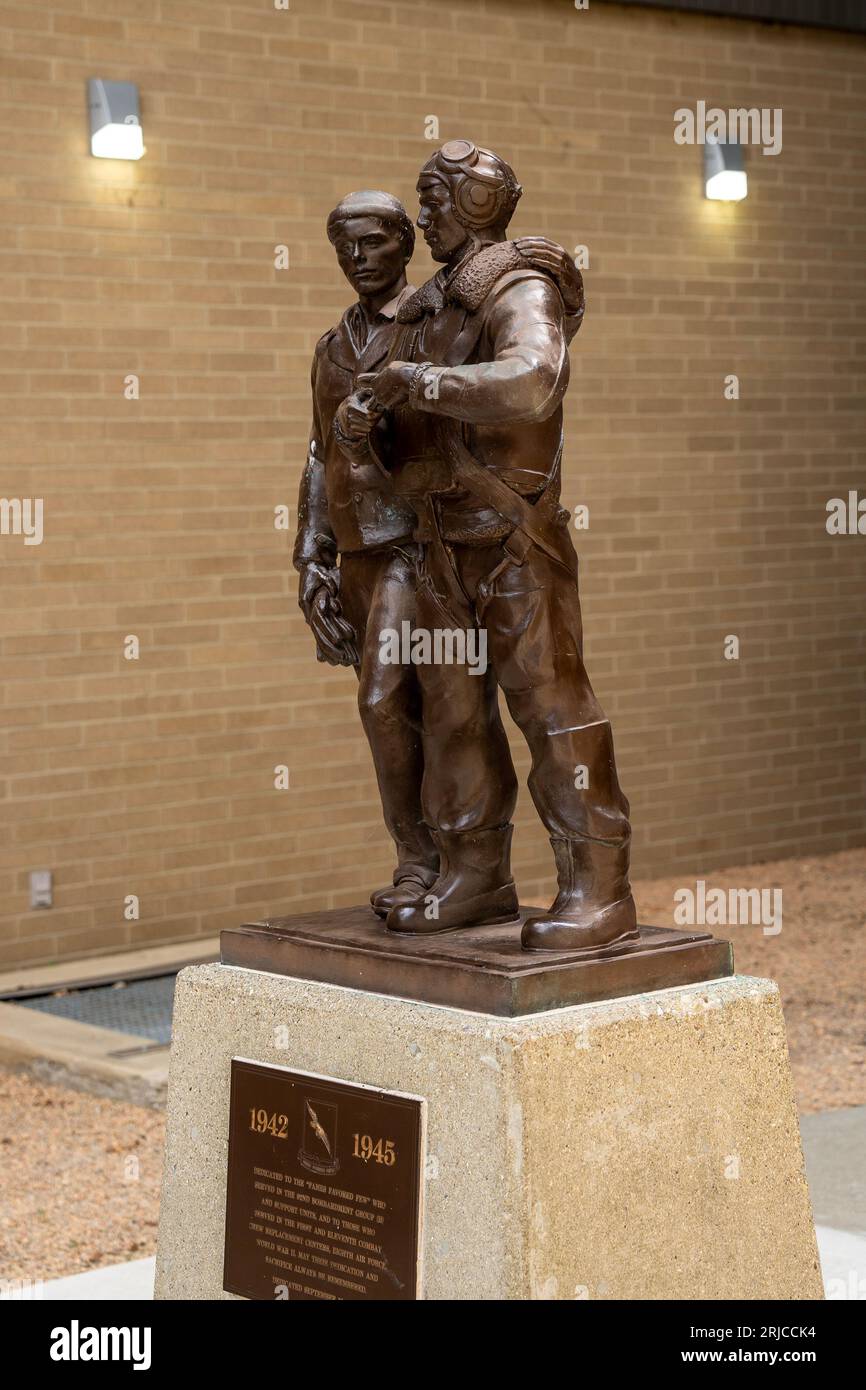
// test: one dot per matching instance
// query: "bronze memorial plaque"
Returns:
(323, 1197)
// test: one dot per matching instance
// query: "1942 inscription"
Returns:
(323, 1196)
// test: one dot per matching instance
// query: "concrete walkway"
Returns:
(126, 1282)
(834, 1146)
(843, 1264)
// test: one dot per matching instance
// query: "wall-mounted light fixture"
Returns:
(724, 170)
(115, 123)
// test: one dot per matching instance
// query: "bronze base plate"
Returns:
(479, 968)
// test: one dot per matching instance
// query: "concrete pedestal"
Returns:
(639, 1148)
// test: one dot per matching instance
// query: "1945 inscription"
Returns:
(324, 1193)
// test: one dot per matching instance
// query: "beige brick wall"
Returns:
(155, 777)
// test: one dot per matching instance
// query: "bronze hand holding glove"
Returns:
(390, 386)
(318, 600)
(357, 415)
(314, 576)
(336, 642)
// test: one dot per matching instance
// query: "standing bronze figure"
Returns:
(348, 507)
(464, 417)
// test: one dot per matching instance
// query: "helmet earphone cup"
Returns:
(477, 204)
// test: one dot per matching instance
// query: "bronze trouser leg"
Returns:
(377, 591)
(469, 780)
(532, 617)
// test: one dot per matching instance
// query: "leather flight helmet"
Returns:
(484, 190)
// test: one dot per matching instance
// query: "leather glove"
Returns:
(313, 577)
(336, 643)
(356, 416)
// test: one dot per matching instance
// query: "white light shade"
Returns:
(724, 171)
(730, 185)
(115, 125)
(117, 142)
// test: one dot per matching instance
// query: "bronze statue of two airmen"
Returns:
(430, 502)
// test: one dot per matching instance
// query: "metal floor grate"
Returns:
(142, 1007)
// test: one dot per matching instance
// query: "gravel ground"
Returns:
(80, 1176)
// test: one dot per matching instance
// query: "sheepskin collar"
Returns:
(469, 285)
